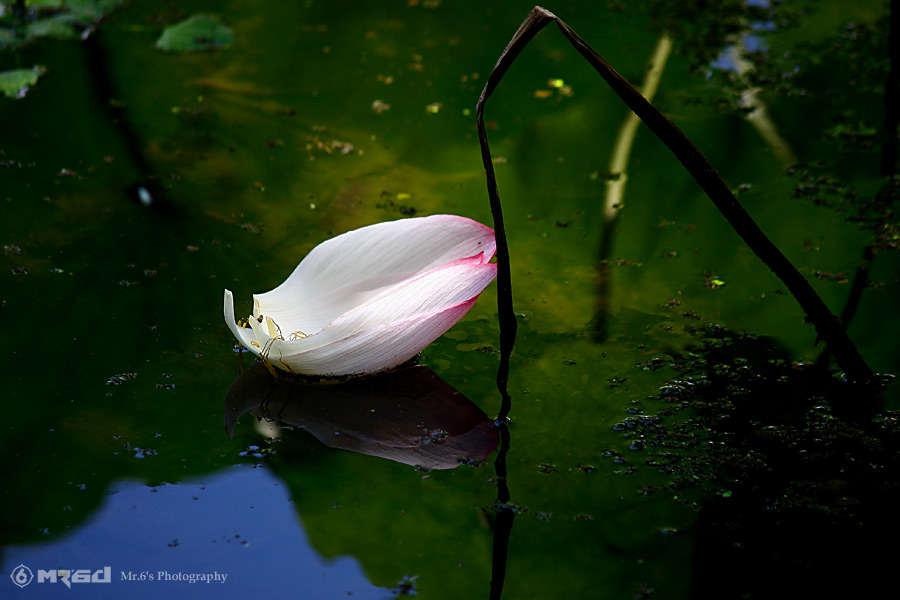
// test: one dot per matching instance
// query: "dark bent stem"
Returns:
(827, 325)
(505, 313)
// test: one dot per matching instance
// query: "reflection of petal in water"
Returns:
(409, 416)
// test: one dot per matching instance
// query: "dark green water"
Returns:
(118, 358)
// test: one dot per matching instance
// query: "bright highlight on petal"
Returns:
(370, 299)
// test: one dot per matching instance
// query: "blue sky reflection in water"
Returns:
(317, 120)
(164, 534)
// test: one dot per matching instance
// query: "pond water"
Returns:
(137, 184)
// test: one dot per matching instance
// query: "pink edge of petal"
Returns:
(488, 252)
(461, 218)
(489, 255)
(477, 261)
(493, 234)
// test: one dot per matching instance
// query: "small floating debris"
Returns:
(380, 106)
(120, 378)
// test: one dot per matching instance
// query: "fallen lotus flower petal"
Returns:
(370, 299)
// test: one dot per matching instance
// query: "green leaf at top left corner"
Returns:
(16, 82)
(199, 32)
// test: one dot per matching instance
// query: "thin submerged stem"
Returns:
(758, 113)
(827, 325)
(618, 164)
(617, 178)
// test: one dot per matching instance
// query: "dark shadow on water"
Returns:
(146, 191)
(789, 476)
(410, 415)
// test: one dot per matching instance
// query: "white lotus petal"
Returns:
(244, 336)
(352, 268)
(389, 330)
(261, 336)
(371, 299)
(272, 328)
(372, 350)
(440, 288)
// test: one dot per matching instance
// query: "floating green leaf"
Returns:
(200, 32)
(39, 4)
(61, 19)
(52, 27)
(15, 83)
